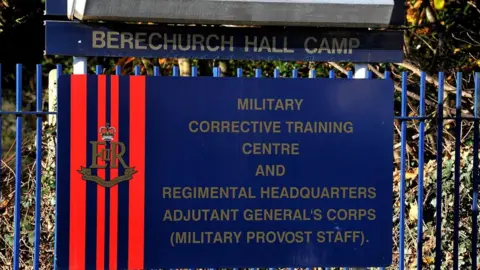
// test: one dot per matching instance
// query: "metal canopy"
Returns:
(327, 13)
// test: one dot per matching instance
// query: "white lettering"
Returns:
(150, 41)
(126, 38)
(141, 38)
(112, 37)
(209, 47)
(331, 46)
(285, 46)
(353, 44)
(307, 48)
(251, 43)
(229, 42)
(98, 36)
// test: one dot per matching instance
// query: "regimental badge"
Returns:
(107, 154)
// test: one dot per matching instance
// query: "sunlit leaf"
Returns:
(439, 4)
(418, 3)
(413, 212)
(411, 174)
(428, 260)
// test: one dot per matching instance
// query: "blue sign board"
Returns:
(202, 172)
(235, 43)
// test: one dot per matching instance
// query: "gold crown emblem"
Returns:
(107, 132)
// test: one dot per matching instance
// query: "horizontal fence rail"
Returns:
(418, 118)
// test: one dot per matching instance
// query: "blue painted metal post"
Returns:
(59, 72)
(38, 172)
(258, 73)
(331, 74)
(98, 70)
(403, 152)
(156, 71)
(1, 125)
(239, 72)
(456, 198)
(295, 73)
(475, 173)
(18, 170)
(421, 150)
(438, 228)
(176, 71)
(276, 73)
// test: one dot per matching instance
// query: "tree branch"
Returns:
(431, 79)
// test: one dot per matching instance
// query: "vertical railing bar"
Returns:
(18, 169)
(331, 74)
(156, 71)
(38, 171)
(1, 125)
(386, 74)
(475, 172)
(295, 73)
(276, 73)
(98, 70)
(194, 71)
(214, 72)
(118, 70)
(456, 198)
(350, 74)
(176, 71)
(421, 150)
(55, 241)
(258, 73)
(137, 70)
(369, 74)
(438, 228)
(403, 143)
(312, 74)
(239, 72)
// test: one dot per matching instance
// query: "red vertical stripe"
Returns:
(114, 173)
(78, 159)
(137, 184)
(102, 103)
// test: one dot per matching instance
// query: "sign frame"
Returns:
(87, 101)
(228, 43)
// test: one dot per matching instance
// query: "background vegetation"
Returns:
(439, 36)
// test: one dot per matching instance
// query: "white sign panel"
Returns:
(327, 13)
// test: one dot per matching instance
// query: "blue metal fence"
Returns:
(421, 117)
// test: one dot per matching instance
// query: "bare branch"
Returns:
(431, 79)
